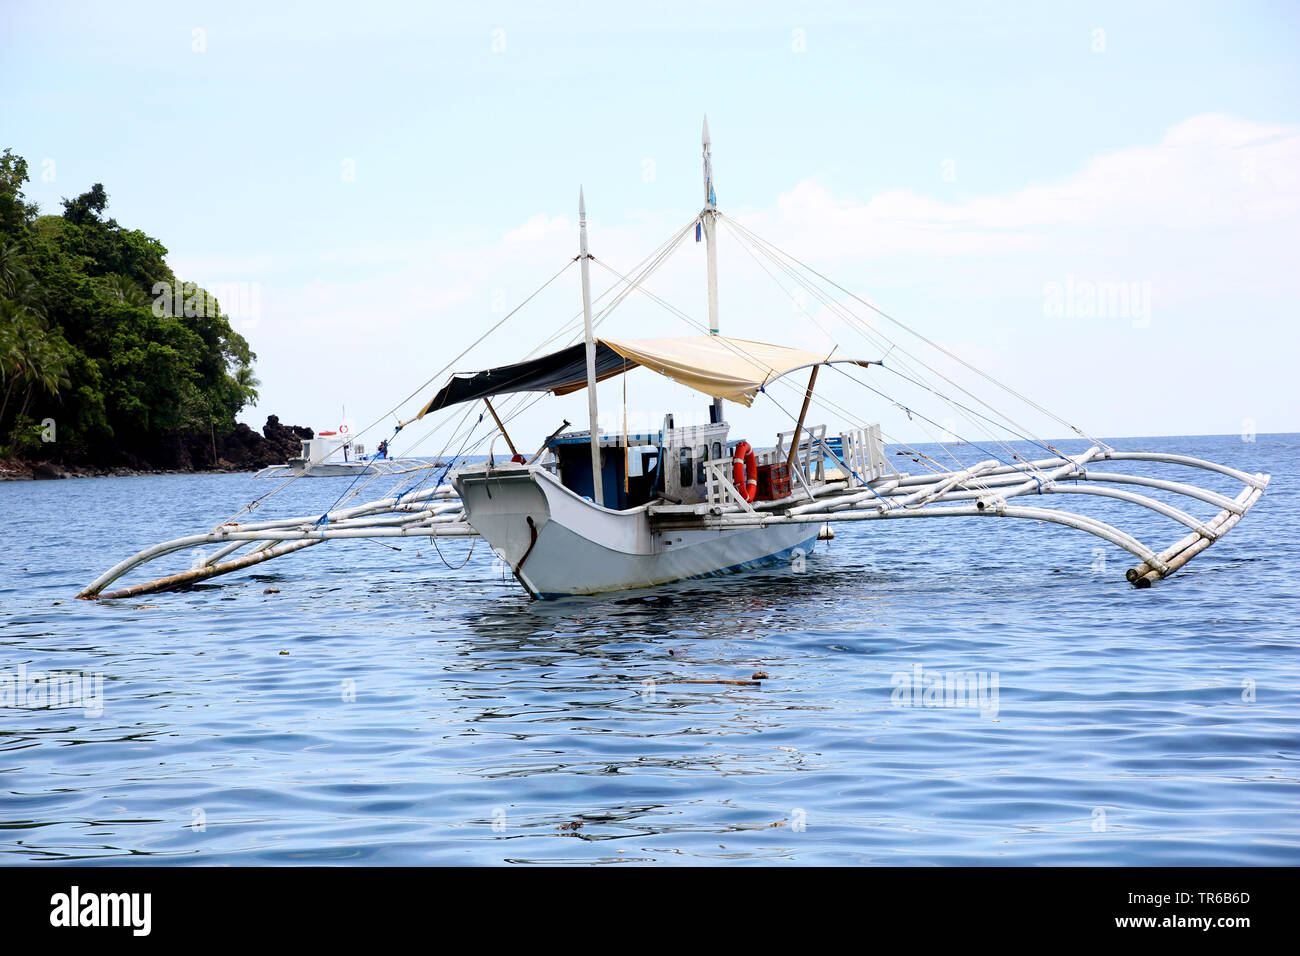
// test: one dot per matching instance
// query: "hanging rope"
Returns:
(454, 567)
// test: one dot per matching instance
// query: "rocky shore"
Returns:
(241, 450)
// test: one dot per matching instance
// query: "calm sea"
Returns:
(383, 709)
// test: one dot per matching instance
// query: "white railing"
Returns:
(810, 456)
(864, 454)
(719, 487)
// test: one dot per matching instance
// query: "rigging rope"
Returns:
(829, 303)
(817, 399)
(883, 314)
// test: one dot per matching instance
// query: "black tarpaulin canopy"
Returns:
(560, 372)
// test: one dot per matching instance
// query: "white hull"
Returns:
(560, 544)
(330, 469)
(298, 468)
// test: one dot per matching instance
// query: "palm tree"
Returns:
(247, 382)
(125, 290)
(16, 332)
(17, 283)
(29, 360)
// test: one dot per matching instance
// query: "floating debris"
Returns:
(742, 683)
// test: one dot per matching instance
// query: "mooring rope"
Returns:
(472, 542)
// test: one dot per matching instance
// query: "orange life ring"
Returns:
(744, 471)
(343, 429)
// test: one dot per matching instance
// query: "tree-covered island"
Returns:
(107, 359)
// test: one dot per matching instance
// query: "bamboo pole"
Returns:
(803, 414)
(200, 574)
(709, 226)
(504, 433)
(740, 683)
(625, 452)
(1238, 506)
(597, 475)
(545, 444)
(1183, 555)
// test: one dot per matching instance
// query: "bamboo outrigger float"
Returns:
(592, 513)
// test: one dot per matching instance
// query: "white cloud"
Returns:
(539, 226)
(1208, 171)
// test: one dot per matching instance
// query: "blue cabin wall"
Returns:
(575, 473)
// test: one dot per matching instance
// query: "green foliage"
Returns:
(85, 341)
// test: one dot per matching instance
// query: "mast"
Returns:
(598, 490)
(708, 219)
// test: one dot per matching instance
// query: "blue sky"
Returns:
(386, 175)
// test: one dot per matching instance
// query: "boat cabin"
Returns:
(317, 450)
(669, 464)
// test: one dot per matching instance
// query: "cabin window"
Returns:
(685, 472)
(717, 450)
(703, 458)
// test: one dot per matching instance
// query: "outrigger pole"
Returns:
(709, 225)
(598, 490)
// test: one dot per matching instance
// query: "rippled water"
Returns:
(1122, 732)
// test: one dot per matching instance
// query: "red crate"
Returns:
(773, 482)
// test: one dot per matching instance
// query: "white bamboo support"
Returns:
(931, 492)
(1079, 522)
(1255, 481)
(1182, 551)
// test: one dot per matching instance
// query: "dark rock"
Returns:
(240, 449)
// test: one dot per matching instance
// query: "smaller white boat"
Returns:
(332, 454)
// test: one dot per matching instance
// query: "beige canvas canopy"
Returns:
(719, 366)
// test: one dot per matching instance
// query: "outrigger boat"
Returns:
(333, 454)
(594, 512)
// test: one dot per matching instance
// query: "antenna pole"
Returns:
(598, 489)
(708, 220)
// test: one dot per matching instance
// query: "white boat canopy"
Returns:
(719, 366)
